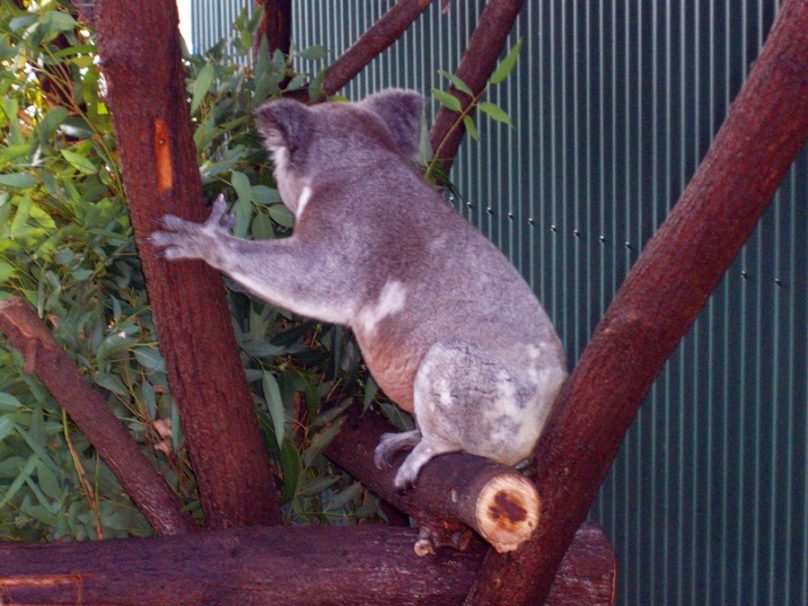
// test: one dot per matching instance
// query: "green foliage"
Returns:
(446, 99)
(67, 246)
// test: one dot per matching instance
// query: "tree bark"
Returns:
(276, 25)
(453, 492)
(479, 61)
(302, 566)
(46, 359)
(765, 130)
(380, 36)
(138, 43)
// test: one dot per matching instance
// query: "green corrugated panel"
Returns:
(615, 103)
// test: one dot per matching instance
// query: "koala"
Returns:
(446, 325)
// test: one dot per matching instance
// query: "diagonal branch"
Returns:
(765, 129)
(380, 36)
(476, 67)
(45, 358)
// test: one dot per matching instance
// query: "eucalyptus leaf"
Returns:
(79, 162)
(272, 395)
(201, 86)
(495, 112)
(17, 180)
(507, 64)
(447, 100)
(471, 128)
(321, 440)
(314, 52)
(456, 82)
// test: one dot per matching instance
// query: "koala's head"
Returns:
(337, 137)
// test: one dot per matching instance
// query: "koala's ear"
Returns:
(284, 123)
(400, 110)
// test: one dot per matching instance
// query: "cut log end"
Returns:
(507, 511)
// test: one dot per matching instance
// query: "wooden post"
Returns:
(138, 43)
(276, 25)
(45, 358)
(766, 128)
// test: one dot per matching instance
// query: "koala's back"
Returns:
(422, 275)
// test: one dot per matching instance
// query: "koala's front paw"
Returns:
(187, 240)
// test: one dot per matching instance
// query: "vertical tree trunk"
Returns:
(138, 46)
(276, 25)
(765, 130)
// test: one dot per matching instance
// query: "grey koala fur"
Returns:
(447, 326)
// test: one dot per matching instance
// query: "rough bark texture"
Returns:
(765, 130)
(138, 43)
(260, 565)
(274, 565)
(275, 24)
(449, 495)
(45, 358)
(381, 35)
(475, 69)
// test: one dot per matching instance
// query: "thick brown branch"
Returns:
(274, 565)
(381, 35)
(479, 61)
(259, 565)
(45, 358)
(276, 25)
(765, 130)
(139, 48)
(453, 492)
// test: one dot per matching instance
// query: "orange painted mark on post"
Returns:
(162, 152)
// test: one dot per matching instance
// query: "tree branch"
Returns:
(765, 129)
(331, 565)
(276, 25)
(453, 491)
(139, 48)
(380, 36)
(45, 358)
(479, 61)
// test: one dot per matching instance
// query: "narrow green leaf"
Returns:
(18, 180)
(314, 52)
(316, 486)
(447, 100)
(241, 184)
(79, 162)
(149, 358)
(5, 427)
(281, 215)
(8, 403)
(341, 499)
(507, 64)
(456, 82)
(468, 121)
(496, 112)
(265, 195)
(24, 474)
(48, 481)
(201, 86)
(7, 270)
(321, 440)
(272, 395)
(290, 464)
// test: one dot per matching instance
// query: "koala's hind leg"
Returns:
(391, 443)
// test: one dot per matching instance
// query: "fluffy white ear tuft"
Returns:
(400, 110)
(284, 123)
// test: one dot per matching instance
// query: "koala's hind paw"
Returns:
(390, 444)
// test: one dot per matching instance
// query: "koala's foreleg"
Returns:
(287, 272)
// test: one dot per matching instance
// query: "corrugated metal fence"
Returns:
(615, 103)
